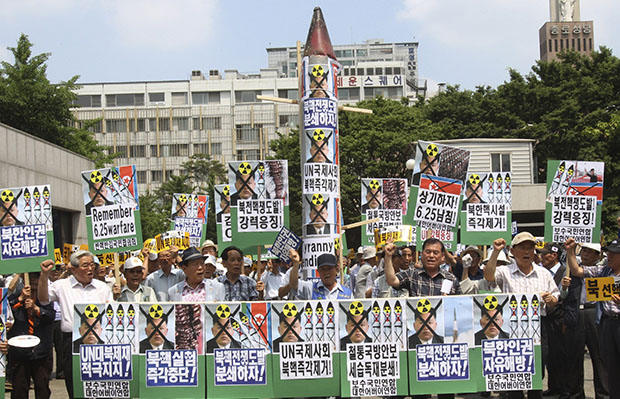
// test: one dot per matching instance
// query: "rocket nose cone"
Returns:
(318, 42)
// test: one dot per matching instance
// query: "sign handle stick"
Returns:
(341, 260)
(26, 279)
(117, 277)
(259, 273)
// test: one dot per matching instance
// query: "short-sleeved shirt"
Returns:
(244, 289)
(307, 290)
(420, 283)
(511, 279)
(161, 283)
(68, 291)
(609, 307)
(273, 282)
(142, 294)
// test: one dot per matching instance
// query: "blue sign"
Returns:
(24, 241)
(105, 362)
(171, 368)
(285, 241)
(240, 366)
(438, 362)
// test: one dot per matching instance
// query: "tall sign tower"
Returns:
(565, 31)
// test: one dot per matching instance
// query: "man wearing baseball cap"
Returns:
(369, 257)
(522, 276)
(607, 312)
(134, 290)
(195, 288)
(327, 288)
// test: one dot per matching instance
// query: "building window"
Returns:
(202, 148)
(397, 71)
(205, 97)
(180, 123)
(387, 92)
(247, 134)
(88, 101)
(141, 176)
(156, 98)
(141, 125)
(290, 93)
(164, 123)
(208, 123)
(179, 98)
(121, 151)
(94, 127)
(247, 155)
(360, 71)
(362, 53)
(247, 96)
(124, 100)
(388, 70)
(500, 162)
(115, 125)
(154, 151)
(216, 148)
(350, 93)
(156, 176)
(168, 175)
(137, 151)
(290, 120)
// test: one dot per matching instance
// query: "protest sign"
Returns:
(602, 288)
(284, 242)
(189, 214)
(385, 199)
(574, 201)
(487, 208)
(223, 217)
(173, 237)
(4, 315)
(26, 236)
(259, 202)
(402, 234)
(445, 168)
(112, 210)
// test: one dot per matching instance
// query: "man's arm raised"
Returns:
(42, 291)
(489, 269)
(571, 258)
(390, 275)
(293, 276)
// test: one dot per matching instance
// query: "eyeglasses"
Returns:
(88, 265)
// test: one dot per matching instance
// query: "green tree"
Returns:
(29, 102)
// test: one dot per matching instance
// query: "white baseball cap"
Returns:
(132, 263)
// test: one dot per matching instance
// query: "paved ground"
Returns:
(59, 392)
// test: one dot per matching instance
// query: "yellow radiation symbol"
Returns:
(36, 194)
(507, 179)
(524, 303)
(561, 168)
(491, 180)
(91, 312)
(317, 199)
(235, 324)
(535, 302)
(27, 195)
(424, 306)
(513, 304)
(431, 150)
(244, 318)
(474, 179)
(499, 178)
(290, 310)
(115, 176)
(109, 312)
(318, 71)
(261, 167)
(337, 244)
(570, 171)
(318, 135)
(226, 191)
(96, 176)
(7, 196)
(376, 309)
(131, 312)
(222, 311)
(182, 198)
(319, 310)
(490, 302)
(374, 184)
(356, 308)
(156, 311)
(245, 168)
(387, 309)
(1, 326)
(120, 312)
(330, 309)
(398, 309)
(46, 193)
(308, 311)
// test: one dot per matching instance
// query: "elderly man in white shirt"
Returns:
(78, 288)
(196, 288)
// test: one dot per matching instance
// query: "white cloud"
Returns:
(161, 24)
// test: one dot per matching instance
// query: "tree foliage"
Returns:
(29, 102)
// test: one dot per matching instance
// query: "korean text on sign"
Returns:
(260, 215)
(436, 362)
(171, 368)
(23, 241)
(487, 217)
(305, 360)
(105, 362)
(373, 368)
(508, 364)
(240, 366)
(285, 241)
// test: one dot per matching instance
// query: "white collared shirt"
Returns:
(273, 282)
(161, 283)
(68, 292)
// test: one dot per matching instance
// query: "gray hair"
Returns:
(75, 257)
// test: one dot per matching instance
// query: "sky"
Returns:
(467, 43)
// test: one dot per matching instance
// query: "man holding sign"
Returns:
(609, 311)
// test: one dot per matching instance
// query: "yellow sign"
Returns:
(403, 234)
(170, 238)
(57, 256)
(69, 249)
(602, 288)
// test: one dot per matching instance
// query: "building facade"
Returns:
(158, 125)
(565, 31)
